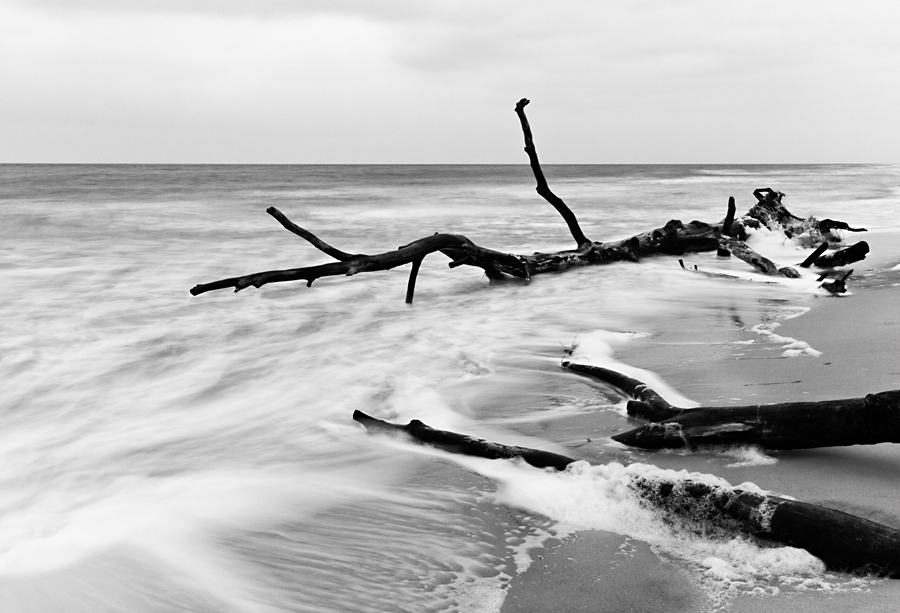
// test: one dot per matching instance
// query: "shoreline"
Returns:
(855, 346)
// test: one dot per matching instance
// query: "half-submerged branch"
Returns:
(460, 249)
(842, 541)
(465, 445)
(784, 425)
(674, 238)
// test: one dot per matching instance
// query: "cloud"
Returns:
(381, 10)
(406, 81)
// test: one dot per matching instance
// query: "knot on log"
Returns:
(700, 506)
(790, 273)
(883, 402)
(673, 225)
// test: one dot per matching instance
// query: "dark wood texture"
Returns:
(842, 541)
(542, 188)
(674, 238)
(784, 425)
(465, 445)
(842, 257)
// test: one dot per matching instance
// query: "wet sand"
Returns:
(856, 343)
(599, 572)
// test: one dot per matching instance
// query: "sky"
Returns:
(436, 81)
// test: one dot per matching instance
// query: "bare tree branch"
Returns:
(316, 242)
(542, 188)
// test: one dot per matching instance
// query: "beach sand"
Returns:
(855, 350)
(600, 572)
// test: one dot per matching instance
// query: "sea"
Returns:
(167, 452)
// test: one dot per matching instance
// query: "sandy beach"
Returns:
(855, 346)
(168, 452)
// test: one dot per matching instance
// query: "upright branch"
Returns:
(729, 217)
(542, 188)
(673, 238)
(810, 260)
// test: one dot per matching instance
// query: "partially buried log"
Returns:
(786, 425)
(842, 257)
(842, 541)
(674, 238)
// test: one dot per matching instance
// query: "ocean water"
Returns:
(163, 452)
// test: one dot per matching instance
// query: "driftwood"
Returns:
(674, 238)
(465, 445)
(842, 257)
(785, 425)
(842, 541)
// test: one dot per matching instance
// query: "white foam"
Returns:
(749, 455)
(603, 497)
(481, 595)
(792, 347)
(596, 348)
(163, 513)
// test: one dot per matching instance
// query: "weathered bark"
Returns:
(542, 188)
(853, 253)
(645, 402)
(728, 222)
(771, 212)
(757, 261)
(465, 445)
(460, 249)
(786, 425)
(814, 255)
(675, 238)
(842, 541)
(837, 284)
(829, 225)
(411, 285)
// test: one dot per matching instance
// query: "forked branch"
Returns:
(314, 240)
(674, 238)
(455, 246)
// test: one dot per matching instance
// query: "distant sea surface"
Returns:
(163, 452)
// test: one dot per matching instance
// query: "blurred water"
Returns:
(161, 452)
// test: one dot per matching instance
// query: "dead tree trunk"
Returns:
(842, 257)
(785, 425)
(842, 541)
(674, 238)
(465, 445)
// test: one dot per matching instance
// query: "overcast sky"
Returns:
(420, 81)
